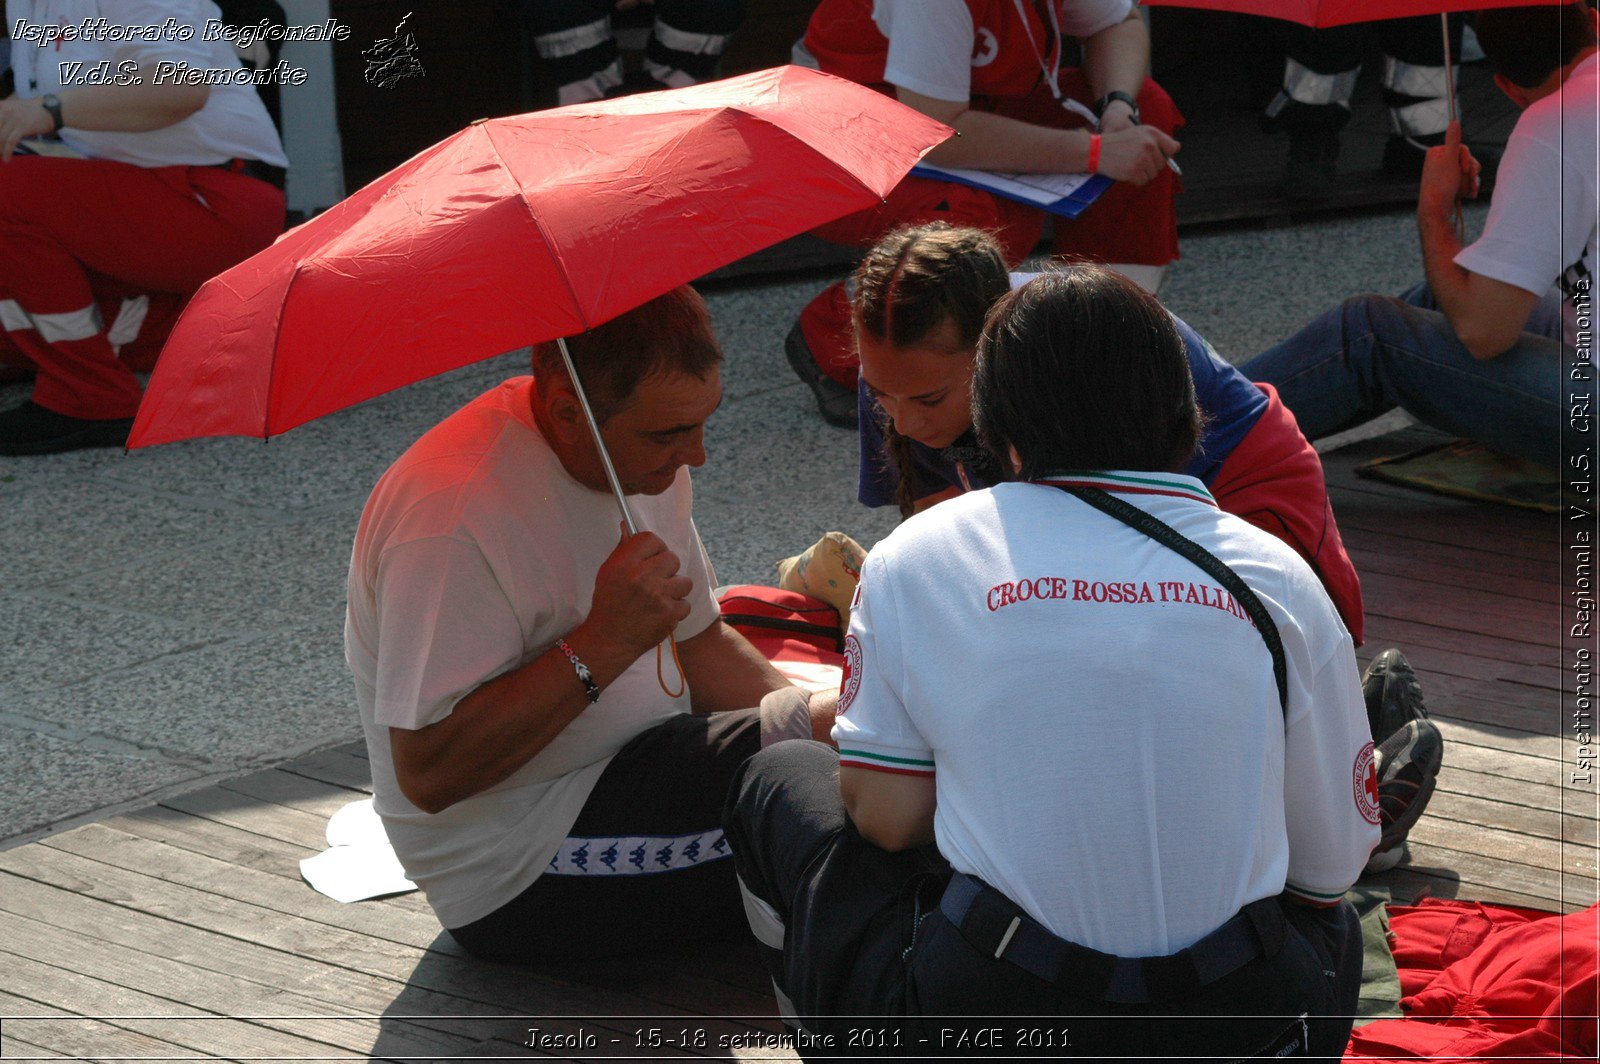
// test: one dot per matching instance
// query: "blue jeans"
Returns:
(1371, 354)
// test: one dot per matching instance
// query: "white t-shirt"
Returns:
(933, 44)
(1100, 718)
(475, 553)
(1543, 217)
(233, 124)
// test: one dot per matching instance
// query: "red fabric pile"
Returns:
(1485, 981)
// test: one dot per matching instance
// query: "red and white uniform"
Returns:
(85, 241)
(1003, 56)
(1100, 718)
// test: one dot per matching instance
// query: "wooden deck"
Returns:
(185, 931)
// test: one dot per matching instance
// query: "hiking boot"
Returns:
(32, 429)
(1392, 693)
(12, 374)
(836, 402)
(1407, 766)
(1403, 158)
(1312, 173)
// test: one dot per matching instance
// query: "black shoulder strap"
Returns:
(1172, 539)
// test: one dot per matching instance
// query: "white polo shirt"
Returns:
(1100, 718)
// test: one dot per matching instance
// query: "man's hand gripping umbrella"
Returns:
(527, 228)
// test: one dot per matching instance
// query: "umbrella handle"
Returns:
(594, 430)
(1456, 214)
(622, 504)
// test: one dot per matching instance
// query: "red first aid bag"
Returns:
(784, 625)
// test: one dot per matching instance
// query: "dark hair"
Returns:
(1082, 369)
(671, 333)
(1525, 45)
(911, 283)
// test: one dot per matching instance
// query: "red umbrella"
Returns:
(1321, 14)
(520, 230)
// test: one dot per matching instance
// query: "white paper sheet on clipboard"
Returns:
(1064, 194)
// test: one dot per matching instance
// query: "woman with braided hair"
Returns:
(920, 298)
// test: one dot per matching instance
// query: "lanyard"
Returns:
(1052, 72)
(1176, 541)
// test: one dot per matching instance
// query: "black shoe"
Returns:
(31, 429)
(10, 374)
(1403, 158)
(836, 402)
(1392, 693)
(1407, 766)
(1313, 170)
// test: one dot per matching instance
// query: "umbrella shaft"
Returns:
(594, 429)
(1449, 72)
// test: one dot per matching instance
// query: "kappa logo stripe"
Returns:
(637, 855)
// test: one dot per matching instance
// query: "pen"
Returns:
(1094, 123)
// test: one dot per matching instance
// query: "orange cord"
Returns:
(683, 681)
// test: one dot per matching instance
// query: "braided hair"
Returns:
(911, 283)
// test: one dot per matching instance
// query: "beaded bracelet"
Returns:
(585, 677)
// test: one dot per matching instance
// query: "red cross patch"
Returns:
(850, 682)
(1365, 780)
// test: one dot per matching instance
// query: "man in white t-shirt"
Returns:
(548, 772)
(1143, 816)
(1485, 349)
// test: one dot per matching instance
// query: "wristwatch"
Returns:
(52, 107)
(1112, 97)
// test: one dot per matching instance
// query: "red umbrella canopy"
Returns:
(519, 230)
(1324, 13)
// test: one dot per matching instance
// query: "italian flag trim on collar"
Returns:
(1174, 484)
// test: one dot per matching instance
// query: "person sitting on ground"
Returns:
(920, 299)
(1482, 349)
(553, 785)
(577, 41)
(993, 69)
(1081, 772)
(162, 185)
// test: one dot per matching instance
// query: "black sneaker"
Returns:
(1407, 766)
(31, 429)
(836, 402)
(1392, 694)
(1313, 170)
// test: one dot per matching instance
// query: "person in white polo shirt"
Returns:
(1079, 773)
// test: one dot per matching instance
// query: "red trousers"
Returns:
(1273, 479)
(77, 236)
(1128, 223)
